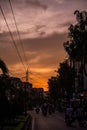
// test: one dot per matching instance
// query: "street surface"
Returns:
(51, 122)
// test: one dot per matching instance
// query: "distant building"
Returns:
(37, 95)
(38, 92)
(27, 85)
(16, 82)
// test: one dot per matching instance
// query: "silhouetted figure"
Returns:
(44, 108)
(37, 109)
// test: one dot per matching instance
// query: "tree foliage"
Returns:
(54, 88)
(76, 48)
(12, 95)
(66, 77)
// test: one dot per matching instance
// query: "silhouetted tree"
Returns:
(66, 77)
(76, 47)
(3, 67)
(54, 89)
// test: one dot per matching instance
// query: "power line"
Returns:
(20, 41)
(18, 33)
(12, 36)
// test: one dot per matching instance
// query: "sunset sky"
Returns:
(43, 28)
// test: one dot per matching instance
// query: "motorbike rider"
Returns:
(37, 109)
(44, 108)
(69, 114)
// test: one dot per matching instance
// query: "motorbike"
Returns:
(44, 112)
(37, 110)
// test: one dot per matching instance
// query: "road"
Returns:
(51, 122)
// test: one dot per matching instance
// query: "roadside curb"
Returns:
(28, 124)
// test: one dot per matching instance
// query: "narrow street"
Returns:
(51, 122)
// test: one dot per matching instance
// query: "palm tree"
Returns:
(3, 67)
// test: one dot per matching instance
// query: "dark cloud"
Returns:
(47, 48)
(7, 48)
(42, 33)
(45, 51)
(21, 5)
(38, 27)
(36, 3)
(4, 37)
(65, 24)
(47, 42)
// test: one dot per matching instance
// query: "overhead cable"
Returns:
(19, 38)
(12, 36)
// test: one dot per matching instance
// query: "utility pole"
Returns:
(25, 104)
(27, 74)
